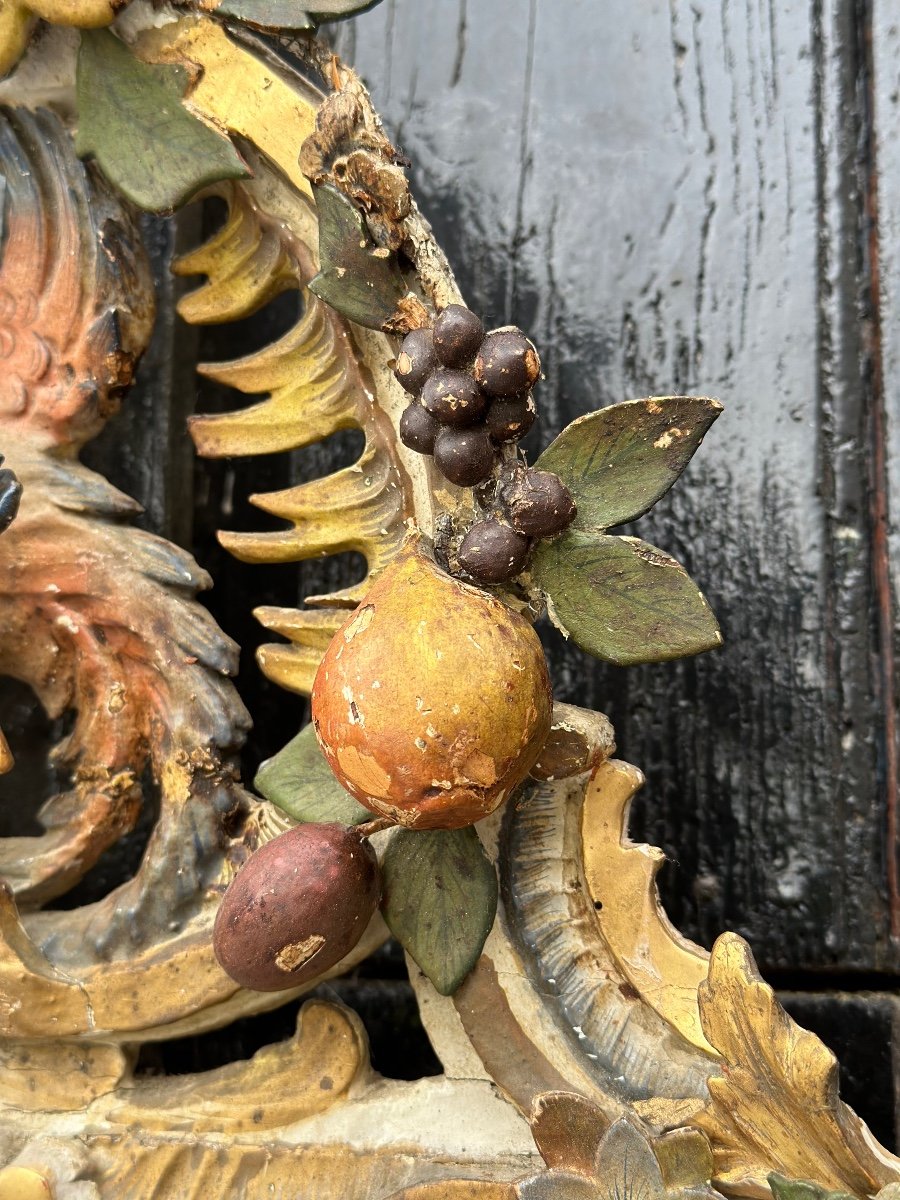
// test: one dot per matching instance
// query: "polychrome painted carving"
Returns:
(439, 794)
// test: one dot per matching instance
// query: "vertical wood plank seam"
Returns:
(878, 472)
(824, 366)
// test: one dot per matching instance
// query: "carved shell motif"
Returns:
(585, 1003)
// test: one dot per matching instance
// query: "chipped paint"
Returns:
(360, 622)
(295, 954)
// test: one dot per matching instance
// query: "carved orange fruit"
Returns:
(433, 699)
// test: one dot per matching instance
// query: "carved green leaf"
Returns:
(337, 10)
(267, 14)
(290, 14)
(618, 462)
(440, 899)
(130, 118)
(801, 1189)
(622, 599)
(299, 781)
(360, 280)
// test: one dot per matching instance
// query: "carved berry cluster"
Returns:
(473, 394)
(523, 505)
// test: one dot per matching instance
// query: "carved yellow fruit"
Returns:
(433, 699)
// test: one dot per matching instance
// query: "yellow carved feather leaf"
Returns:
(315, 381)
(323, 376)
(246, 264)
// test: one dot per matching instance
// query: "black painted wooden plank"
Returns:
(670, 196)
(883, 242)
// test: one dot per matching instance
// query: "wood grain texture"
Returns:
(672, 197)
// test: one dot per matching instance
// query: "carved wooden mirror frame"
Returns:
(591, 1049)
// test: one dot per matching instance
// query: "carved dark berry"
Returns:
(510, 420)
(418, 428)
(507, 362)
(453, 397)
(458, 333)
(464, 456)
(537, 503)
(10, 494)
(416, 359)
(493, 553)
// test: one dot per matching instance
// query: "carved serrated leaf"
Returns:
(659, 962)
(314, 389)
(323, 376)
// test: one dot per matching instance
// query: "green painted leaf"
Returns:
(802, 1189)
(338, 10)
(130, 118)
(299, 781)
(267, 14)
(440, 899)
(622, 599)
(290, 14)
(618, 462)
(355, 277)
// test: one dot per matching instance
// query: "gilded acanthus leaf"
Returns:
(662, 966)
(584, 986)
(776, 1105)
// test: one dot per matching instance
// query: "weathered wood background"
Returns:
(670, 197)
